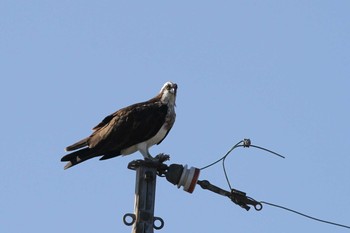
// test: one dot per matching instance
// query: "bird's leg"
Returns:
(146, 154)
(159, 158)
(149, 156)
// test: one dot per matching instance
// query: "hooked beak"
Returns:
(173, 89)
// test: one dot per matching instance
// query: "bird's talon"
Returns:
(162, 157)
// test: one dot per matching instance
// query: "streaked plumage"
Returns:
(130, 129)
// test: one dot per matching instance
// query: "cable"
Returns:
(224, 168)
(246, 143)
(228, 152)
(262, 148)
(305, 215)
(242, 143)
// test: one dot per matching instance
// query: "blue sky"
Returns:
(276, 72)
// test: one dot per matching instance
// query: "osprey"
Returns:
(130, 129)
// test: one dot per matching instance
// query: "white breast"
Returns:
(158, 137)
(143, 146)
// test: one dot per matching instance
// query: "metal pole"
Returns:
(145, 191)
(143, 219)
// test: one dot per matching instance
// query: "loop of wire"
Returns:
(247, 143)
(242, 143)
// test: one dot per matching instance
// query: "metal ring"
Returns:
(258, 207)
(133, 219)
(161, 223)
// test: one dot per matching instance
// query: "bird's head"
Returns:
(168, 93)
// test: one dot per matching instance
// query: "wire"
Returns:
(242, 143)
(272, 152)
(305, 215)
(224, 168)
(228, 152)
(246, 143)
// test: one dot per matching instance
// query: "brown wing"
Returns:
(106, 120)
(128, 127)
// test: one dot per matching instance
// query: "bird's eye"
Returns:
(168, 87)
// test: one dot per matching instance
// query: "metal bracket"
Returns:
(238, 197)
(143, 219)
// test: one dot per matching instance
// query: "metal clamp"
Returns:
(238, 197)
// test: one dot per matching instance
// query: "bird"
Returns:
(130, 129)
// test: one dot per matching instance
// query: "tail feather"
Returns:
(78, 157)
(109, 156)
(78, 145)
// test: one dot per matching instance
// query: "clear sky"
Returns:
(277, 72)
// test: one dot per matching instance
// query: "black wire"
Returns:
(224, 168)
(305, 215)
(239, 144)
(228, 152)
(261, 148)
(264, 202)
(236, 146)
